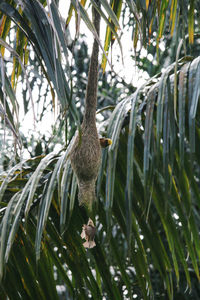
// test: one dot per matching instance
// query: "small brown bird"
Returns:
(104, 142)
(88, 233)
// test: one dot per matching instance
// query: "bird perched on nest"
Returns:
(86, 151)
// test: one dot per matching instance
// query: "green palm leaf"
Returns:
(147, 212)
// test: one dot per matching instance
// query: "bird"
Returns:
(105, 142)
(88, 233)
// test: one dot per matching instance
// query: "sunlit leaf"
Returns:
(191, 22)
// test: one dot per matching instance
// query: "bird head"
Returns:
(105, 142)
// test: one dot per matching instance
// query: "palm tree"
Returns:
(147, 213)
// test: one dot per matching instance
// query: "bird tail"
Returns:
(86, 194)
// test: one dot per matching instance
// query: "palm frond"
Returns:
(147, 211)
(148, 199)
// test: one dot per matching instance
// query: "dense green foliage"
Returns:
(148, 190)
